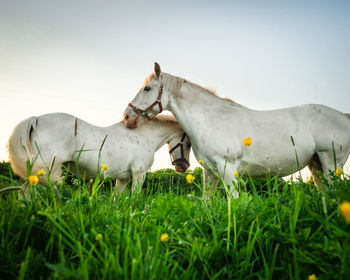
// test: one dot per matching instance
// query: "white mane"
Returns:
(176, 83)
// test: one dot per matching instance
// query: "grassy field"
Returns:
(274, 230)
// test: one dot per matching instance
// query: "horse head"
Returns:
(148, 102)
(179, 150)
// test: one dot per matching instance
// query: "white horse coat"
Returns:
(217, 128)
(127, 153)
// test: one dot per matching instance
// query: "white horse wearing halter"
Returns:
(127, 153)
(283, 141)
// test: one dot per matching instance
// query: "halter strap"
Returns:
(181, 145)
(141, 112)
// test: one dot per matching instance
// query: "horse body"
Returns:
(283, 140)
(220, 130)
(54, 140)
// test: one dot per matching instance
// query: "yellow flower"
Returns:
(345, 210)
(200, 162)
(338, 172)
(189, 178)
(312, 277)
(247, 142)
(104, 167)
(164, 237)
(98, 236)
(41, 172)
(33, 180)
(235, 173)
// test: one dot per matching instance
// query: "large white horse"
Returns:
(54, 140)
(283, 141)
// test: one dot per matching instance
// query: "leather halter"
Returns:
(144, 113)
(181, 145)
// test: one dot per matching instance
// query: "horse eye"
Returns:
(146, 88)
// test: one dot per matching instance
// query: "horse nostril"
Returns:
(126, 116)
(186, 166)
(179, 169)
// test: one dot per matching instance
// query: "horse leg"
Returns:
(121, 185)
(137, 182)
(211, 180)
(327, 162)
(24, 193)
(232, 182)
(53, 173)
(56, 173)
(315, 168)
(323, 162)
(210, 183)
(229, 179)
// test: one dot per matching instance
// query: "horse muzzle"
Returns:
(181, 167)
(129, 121)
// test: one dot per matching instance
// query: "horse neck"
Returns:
(163, 132)
(194, 106)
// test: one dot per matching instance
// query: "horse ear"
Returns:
(157, 70)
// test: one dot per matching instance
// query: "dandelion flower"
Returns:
(338, 172)
(98, 236)
(345, 210)
(104, 167)
(247, 142)
(312, 277)
(164, 237)
(189, 178)
(235, 173)
(200, 162)
(41, 172)
(33, 180)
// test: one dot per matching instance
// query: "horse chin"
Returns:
(181, 168)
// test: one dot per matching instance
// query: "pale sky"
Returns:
(89, 58)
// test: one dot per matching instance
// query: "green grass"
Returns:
(278, 230)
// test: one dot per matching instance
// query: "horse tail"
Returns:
(20, 146)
